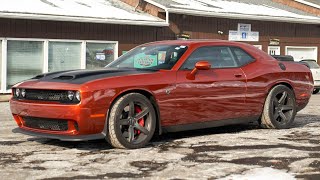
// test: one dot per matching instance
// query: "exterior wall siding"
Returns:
(289, 34)
(129, 36)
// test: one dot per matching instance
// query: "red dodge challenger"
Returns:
(161, 87)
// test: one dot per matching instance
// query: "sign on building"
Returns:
(243, 33)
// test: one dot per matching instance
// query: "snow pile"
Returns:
(222, 6)
(75, 8)
(261, 174)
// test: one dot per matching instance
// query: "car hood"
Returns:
(83, 76)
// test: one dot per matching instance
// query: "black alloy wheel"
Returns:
(282, 107)
(279, 109)
(132, 121)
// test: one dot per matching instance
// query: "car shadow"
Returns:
(302, 120)
(203, 132)
(99, 144)
(157, 139)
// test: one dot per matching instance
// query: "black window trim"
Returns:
(231, 50)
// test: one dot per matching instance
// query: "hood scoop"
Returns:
(65, 77)
(40, 76)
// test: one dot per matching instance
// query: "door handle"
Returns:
(238, 75)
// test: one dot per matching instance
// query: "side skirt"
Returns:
(209, 124)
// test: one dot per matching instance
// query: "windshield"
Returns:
(312, 64)
(150, 57)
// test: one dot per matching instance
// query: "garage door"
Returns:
(300, 53)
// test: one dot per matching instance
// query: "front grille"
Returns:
(46, 124)
(46, 95)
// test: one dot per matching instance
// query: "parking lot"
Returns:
(232, 152)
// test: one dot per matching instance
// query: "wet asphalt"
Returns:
(232, 152)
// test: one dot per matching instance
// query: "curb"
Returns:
(5, 97)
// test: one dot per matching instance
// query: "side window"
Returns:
(218, 57)
(243, 57)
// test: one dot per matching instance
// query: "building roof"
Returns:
(96, 11)
(240, 9)
(312, 3)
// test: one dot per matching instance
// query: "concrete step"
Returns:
(5, 97)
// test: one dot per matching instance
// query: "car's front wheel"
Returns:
(279, 109)
(132, 121)
(315, 91)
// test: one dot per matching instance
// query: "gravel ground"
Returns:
(233, 152)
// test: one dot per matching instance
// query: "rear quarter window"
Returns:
(242, 56)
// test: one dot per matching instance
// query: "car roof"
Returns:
(195, 41)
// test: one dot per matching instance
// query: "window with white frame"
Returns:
(64, 56)
(274, 50)
(98, 55)
(24, 60)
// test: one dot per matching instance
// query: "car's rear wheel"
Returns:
(132, 122)
(279, 109)
(315, 91)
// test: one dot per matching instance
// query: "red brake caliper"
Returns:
(137, 109)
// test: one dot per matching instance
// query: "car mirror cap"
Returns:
(203, 65)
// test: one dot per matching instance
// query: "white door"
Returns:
(274, 50)
(300, 53)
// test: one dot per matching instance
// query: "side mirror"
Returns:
(201, 65)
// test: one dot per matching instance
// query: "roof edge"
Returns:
(244, 16)
(156, 4)
(161, 7)
(308, 3)
(82, 19)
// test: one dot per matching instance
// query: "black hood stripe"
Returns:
(83, 76)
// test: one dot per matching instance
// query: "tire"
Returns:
(279, 109)
(315, 91)
(132, 122)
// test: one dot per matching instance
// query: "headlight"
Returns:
(17, 93)
(78, 95)
(23, 93)
(70, 95)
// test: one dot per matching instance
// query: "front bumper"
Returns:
(60, 137)
(82, 123)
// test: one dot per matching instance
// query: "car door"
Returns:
(214, 94)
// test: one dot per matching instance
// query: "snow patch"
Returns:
(261, 174)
